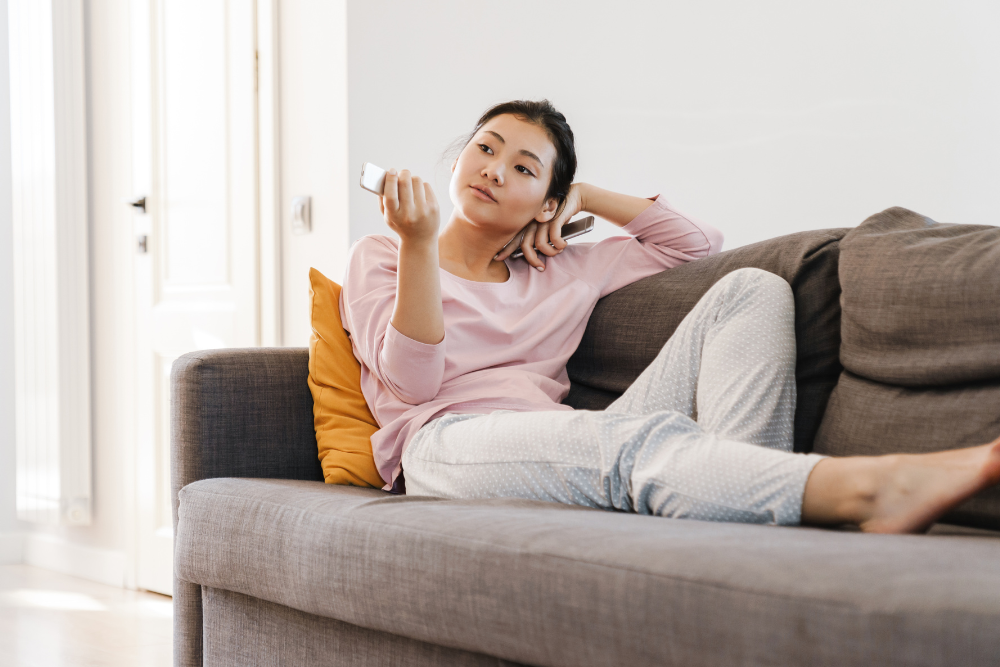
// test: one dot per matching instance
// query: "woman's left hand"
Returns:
(545, 235)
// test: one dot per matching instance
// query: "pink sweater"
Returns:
(506, 344)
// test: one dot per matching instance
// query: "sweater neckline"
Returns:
(481, 284)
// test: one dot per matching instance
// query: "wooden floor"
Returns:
(53, 620)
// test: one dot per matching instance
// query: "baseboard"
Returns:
(11, 548)
(55, 553)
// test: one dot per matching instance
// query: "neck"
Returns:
(470, 248)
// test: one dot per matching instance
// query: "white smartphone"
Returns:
(373, 178)
(569, 230)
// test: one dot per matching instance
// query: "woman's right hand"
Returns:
(410, 207)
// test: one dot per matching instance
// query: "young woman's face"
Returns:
(502, 175)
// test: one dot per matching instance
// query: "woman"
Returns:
(464, 353)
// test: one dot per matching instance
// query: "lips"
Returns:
(484, 193)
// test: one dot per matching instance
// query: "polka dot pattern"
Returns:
(705, 431)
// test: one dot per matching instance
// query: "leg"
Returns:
(660, 463)
(667, 466)
(730, 365)
(898, 493)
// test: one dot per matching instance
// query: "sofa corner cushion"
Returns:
(628, 327)
(921, 300)
(868, 418)
(551, 584)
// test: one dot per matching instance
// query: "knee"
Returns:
(758, 279)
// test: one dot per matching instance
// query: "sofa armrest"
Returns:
(235, 413)
(241, 413)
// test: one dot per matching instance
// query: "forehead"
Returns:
(522, 135)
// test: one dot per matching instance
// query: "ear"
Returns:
(454, 164)
(549, 210)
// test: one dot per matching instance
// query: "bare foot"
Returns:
(916, 489)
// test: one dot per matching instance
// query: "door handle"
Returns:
(139, 203)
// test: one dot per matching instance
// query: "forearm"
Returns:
(417, 313)
(616, 208)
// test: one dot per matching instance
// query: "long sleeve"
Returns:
(660, 238)
(411, 370)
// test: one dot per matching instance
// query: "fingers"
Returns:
(405, 193)
(409, 206)
(535, 235)
(515, 243)
(555, 228)
(429, 196)
(419, 203)
(530, 256)
(390, 194)
(555, 236)
(542, 240)
(506, 251)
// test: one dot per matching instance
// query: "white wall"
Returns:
(99, 551)
(112, 248)
(9, 541)
(763, 118)
(313, 84)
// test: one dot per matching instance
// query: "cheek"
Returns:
(460, 174)
(526, 198)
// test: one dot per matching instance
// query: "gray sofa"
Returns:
(898, 333)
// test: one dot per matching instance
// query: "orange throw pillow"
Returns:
(344, 424)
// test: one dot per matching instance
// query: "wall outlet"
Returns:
(301, 215)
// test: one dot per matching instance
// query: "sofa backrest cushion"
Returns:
(628, 328)
(921, 344)
(344, 424)
(921, 300)
(868, 418)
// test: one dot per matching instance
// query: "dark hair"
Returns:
(543, 114)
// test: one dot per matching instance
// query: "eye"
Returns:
(521, 167)
(486, 149)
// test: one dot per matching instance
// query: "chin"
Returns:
(475, 210)
(479, 218)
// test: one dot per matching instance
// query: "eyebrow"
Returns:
(522, 151)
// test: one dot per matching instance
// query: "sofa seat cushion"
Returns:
(629, 327)
(549, 584)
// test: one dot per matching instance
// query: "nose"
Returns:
(494, 172)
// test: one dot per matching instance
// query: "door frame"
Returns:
(268, 225)
(269, 173)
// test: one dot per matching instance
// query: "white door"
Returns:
(195, 158)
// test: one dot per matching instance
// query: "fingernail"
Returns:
(496, 256)
(540, 268)
(392, 171)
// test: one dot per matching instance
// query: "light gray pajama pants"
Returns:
(705, 432)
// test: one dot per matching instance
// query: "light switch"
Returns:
(301, 215)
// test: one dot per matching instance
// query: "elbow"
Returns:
(715, 240)
(415, 386)
(412, 371)
(419, 396)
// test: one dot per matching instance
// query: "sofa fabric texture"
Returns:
(551, 584)
(235, 413)
(628, 327)
(921, 344)
(242, 630)
(867, 418)
(921, 301)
